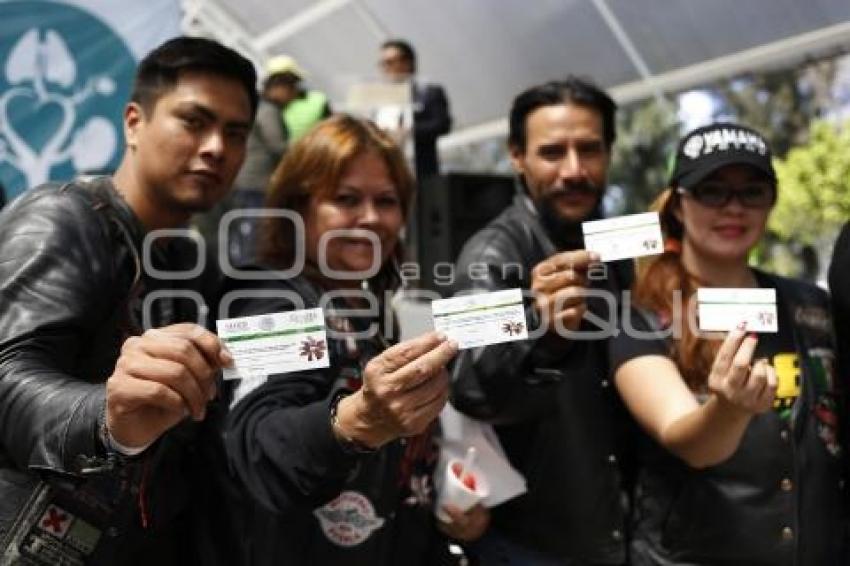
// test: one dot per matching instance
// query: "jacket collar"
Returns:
(104, 189)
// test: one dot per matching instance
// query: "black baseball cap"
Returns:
(705, 150)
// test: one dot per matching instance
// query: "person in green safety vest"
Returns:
(303, 108)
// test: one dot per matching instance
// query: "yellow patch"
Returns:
(788, 379)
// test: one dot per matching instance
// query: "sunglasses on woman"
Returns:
(756, 194)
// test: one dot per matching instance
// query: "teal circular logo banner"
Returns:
(64, 79)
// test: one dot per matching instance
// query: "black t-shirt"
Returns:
(778, 348)
(737, 510)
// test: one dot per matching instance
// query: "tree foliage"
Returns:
(814, 186)
(647, 134)
(780, 104)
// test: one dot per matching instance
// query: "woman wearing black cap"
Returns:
(740, 461)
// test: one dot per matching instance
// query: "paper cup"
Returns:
(456, 493)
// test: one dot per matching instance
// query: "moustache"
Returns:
(577, 187)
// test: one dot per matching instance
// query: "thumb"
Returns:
(458, 517)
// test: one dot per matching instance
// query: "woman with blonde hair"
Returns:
(740, 460)
(338, 461)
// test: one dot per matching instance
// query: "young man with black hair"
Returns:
(102, 450)
(431, 117)
(558, 419)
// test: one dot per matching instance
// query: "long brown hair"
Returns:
(665, 287)
(313, 167)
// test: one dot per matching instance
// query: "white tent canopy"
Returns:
(486, 51)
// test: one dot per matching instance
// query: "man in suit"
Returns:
(431, 117)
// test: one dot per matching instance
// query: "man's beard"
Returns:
(566, 234)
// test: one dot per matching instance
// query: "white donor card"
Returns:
(723, 309)
(275, 343)
(482, 319)
(634, 235)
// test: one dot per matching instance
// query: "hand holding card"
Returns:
(404, 389)
(740, 384)
(558, 283)
(145, 396)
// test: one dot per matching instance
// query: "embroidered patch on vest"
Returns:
(349, 519)
(822, 362)
(59, 538)
(814, 318)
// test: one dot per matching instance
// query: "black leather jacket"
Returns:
(558, 418)
(71, 286)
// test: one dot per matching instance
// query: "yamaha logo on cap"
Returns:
(707, 149)
(723, 139)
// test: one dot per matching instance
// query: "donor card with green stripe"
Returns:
(633, 235)
(724, 309)
(481, 319)
(269, 344)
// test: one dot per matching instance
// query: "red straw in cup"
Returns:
(465, 473)
(462, 487)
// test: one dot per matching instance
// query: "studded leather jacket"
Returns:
(557, 417)
(71, 291)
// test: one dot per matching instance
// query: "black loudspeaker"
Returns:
(451, 208)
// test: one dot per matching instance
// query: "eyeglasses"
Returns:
(757, 194)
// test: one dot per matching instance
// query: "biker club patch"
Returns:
(349, 519)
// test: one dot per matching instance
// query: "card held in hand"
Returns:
(724, 309)
(624, 237)
(275, 343)
(482, 319)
